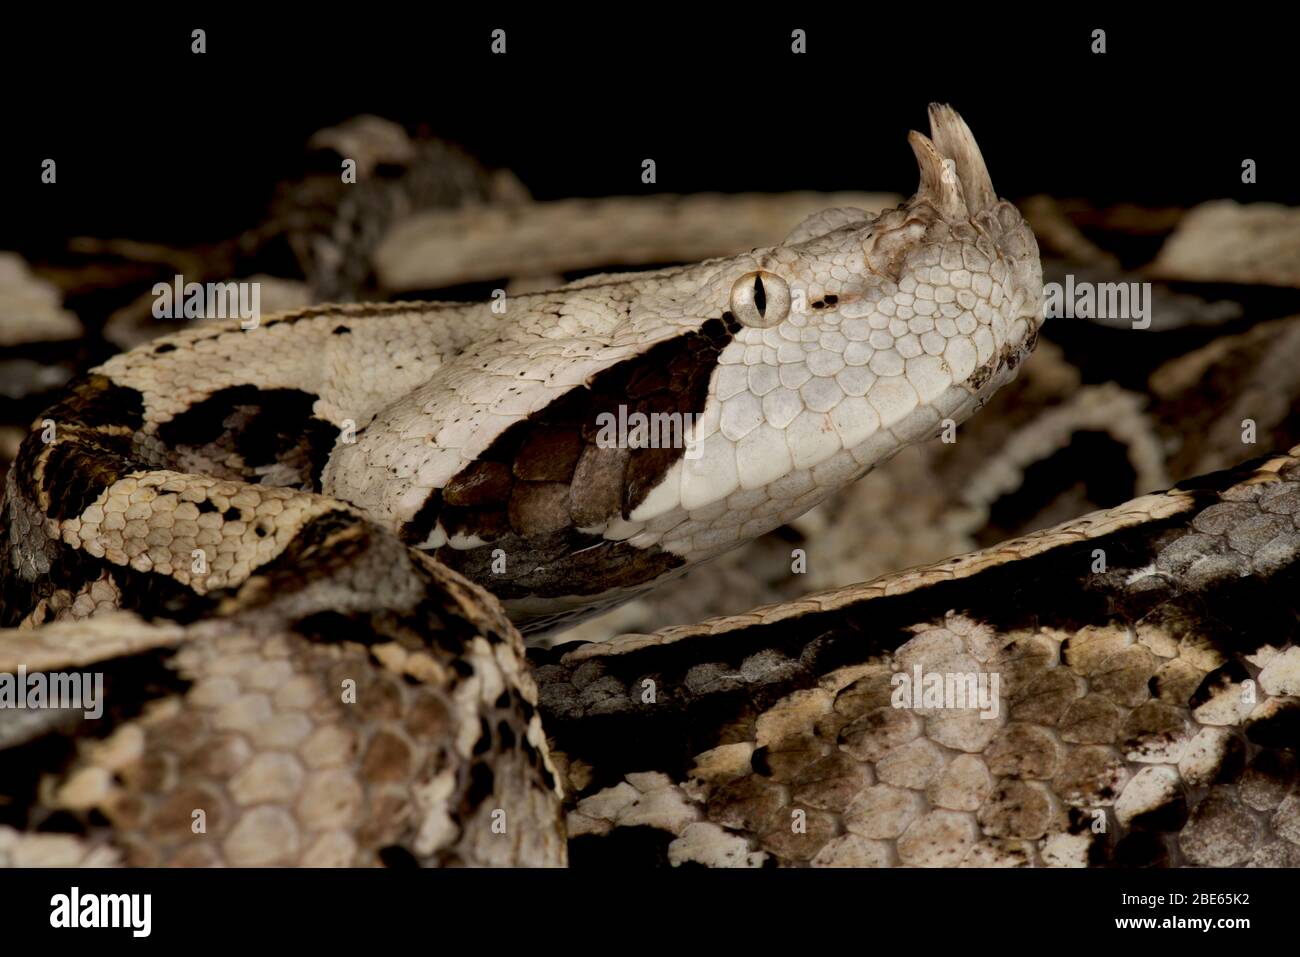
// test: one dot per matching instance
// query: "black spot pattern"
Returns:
(263, 426)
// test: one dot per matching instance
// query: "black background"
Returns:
(685, 911)
(156, 143)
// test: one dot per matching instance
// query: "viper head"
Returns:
(619, 429)
(859, 336)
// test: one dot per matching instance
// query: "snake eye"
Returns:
(760, 299)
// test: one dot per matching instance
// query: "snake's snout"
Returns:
(954, 178)
(955, 184)
(955, 181)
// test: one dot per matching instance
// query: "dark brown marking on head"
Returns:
(538, 508)
(548, 455)
(552, 473)
(481, 483)
(598, 482)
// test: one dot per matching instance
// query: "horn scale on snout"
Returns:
(954, 140)
(939, 185)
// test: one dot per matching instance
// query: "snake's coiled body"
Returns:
(266, 537)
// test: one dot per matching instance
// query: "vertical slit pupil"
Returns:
(760, 296)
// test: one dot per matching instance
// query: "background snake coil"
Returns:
(295, 553)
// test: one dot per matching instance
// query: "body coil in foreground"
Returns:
(1146, 710)
(351, 703)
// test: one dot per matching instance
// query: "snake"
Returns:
(314, 560)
